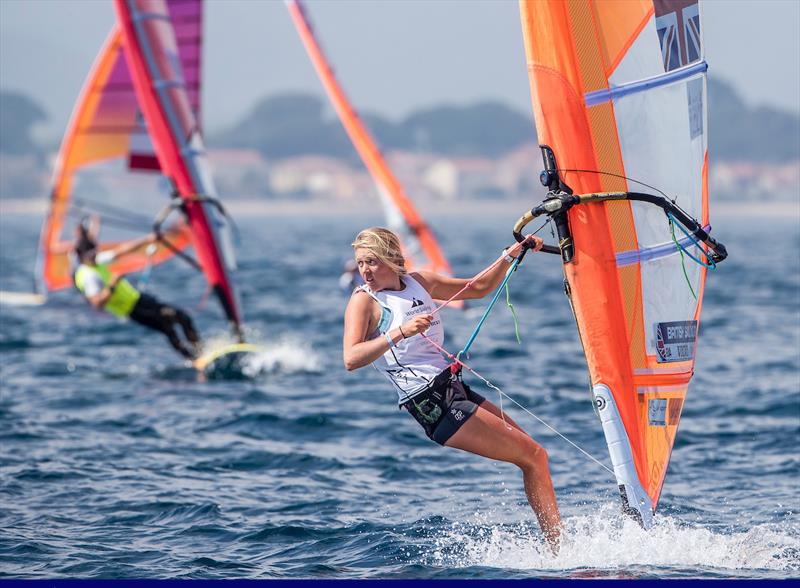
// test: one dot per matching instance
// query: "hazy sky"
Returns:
(391, 56)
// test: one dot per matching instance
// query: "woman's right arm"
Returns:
(444, 287)
(357, 351)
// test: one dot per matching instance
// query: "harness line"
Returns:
(457, 361)
(511, 398)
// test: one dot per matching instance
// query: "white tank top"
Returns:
(413, 363)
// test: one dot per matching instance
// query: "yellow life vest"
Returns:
(123, 297)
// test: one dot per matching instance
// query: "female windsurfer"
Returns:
(383, 324)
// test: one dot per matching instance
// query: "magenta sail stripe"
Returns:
(187, 23)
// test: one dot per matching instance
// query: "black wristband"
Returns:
(401, 332)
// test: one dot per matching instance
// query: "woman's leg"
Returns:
(492, 408)
(486, 434)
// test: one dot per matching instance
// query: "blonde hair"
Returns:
(385, 245)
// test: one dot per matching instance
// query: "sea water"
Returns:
(115, 461)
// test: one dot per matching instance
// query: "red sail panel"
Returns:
(420, 246)
(153, 57)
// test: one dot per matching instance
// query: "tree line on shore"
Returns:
(290, 125)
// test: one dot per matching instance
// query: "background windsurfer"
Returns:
(116, 295)
(380, 327)
(350, 278)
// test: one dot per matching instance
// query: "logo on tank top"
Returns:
(417, 307)
(398, 375)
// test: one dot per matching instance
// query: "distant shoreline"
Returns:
(337, 208)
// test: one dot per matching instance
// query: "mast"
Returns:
(151, 51)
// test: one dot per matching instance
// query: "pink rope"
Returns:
(453, 358)
(468, 284)
(457, 361)
(204, 299)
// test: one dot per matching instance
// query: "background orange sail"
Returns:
(420, 246)
(619, 91)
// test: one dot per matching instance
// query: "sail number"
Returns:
(675, 340)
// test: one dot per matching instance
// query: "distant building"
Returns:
(482, 178)
(316, 176)
(442, 178)
(746, 181)
(518, 171)
(425, 177)
(240, 173)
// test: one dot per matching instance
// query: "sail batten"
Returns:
(655, 252)
(602, 96)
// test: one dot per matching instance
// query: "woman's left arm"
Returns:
(443, 287)
(128, 248)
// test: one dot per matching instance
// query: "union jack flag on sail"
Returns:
(678, 26)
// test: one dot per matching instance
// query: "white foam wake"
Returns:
(608, 540)
(286, 355)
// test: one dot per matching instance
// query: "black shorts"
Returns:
(444, 406)
(150, 312)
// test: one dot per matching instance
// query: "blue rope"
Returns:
(711, 264)
(489, 308)
(683, 259)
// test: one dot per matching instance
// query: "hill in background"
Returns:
(291, 126)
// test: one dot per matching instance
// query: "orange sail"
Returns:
(620, 104)
(420, 247)
(101, 129)
(107, 126)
